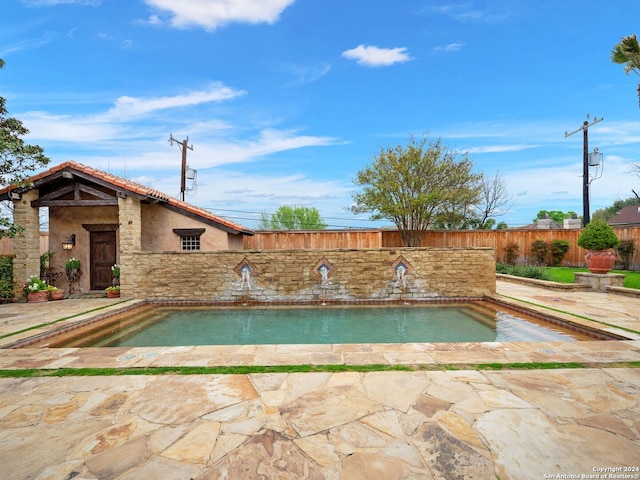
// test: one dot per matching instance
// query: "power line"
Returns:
(269, 213)
(257, 219)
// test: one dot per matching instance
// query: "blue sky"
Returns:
(284, 101)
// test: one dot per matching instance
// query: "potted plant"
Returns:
(113, 292)
(36, 290)
(55, 293)
(72, 269)
(599, 239)
(115, 273)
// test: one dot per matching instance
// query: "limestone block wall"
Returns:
(311, 275)
(26, 262)
(130, 241)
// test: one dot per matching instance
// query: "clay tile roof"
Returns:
(135, 188)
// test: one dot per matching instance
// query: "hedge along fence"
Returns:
(6, 279)
(497, 239)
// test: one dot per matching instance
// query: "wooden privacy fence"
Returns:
(6, 244)
(497, 239)
(315, 240)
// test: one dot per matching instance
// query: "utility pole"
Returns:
(585, 166)
(183, 148)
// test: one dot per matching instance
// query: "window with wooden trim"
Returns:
(189, 238)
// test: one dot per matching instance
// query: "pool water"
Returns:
(167, 326)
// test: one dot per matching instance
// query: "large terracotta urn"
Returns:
(600, 261)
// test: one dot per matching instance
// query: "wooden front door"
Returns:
(103, 256)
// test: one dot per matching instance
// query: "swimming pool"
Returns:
(311, 324)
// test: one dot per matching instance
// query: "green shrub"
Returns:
(511, 253)
(522, 271)
(559, 249)
(503, 268)
(529, 271)
(625, 251)
(598, 235)
(45, 258)
(539, 250)
(6, 279)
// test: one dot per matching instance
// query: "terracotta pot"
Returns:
(600, 261)
(36, 297)
(59, 295)
(112, 294)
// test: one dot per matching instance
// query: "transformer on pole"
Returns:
(183, 176)
(585, 166)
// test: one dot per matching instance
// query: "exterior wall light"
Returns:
(69, 243)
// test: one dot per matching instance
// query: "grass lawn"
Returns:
(566, 275)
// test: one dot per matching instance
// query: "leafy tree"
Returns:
(417, 186)
(555, 215)
(292, 218)
(627, 53)
(610, 212)
(16, 157)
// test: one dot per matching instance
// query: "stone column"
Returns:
(26, 262)
(130, 219)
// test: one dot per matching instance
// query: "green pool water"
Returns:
(323, 325)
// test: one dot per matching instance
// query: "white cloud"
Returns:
(211, 14)
(452, 47)
(127, 106)
(269, 141)
(143, 153)
(69, 129)
(305, 74)
(464, 13)
(372, 56)
(115, 124)
(29, 44)
(560, 187)
(500, 148)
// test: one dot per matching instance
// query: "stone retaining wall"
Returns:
(297, 275)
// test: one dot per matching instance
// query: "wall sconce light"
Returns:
(69, 243)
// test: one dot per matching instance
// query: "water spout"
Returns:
(401, 275)
(324, 275)
(245, 275)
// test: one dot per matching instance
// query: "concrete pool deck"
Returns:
(431, 423)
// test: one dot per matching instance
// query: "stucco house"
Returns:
(102, 218)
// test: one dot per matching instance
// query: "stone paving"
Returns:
(423, 424)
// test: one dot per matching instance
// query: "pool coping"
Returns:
(427, 355)
(578, 325)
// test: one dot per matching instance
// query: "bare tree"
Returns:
(495, 200)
